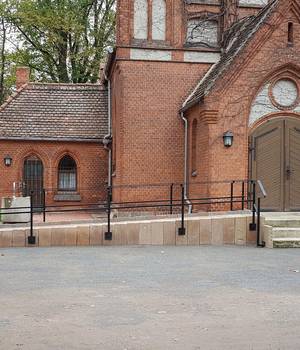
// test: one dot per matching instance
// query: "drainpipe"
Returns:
(186, 161)
(107, 140)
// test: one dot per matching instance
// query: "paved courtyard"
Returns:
(149, 298)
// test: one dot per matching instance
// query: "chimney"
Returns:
(229, 14)
(22, 76)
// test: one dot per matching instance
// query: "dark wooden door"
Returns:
(292, 165)
(33, 172)
(275, 160)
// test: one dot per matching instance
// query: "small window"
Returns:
(67, 174)
(290, 33)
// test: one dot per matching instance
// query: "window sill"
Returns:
(67, 197)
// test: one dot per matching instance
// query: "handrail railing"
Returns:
(241, 194)
(256, 211)
(262, 189)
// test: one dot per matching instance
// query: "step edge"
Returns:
(288, 239)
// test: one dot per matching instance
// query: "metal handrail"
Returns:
(262, 189)
(256, 209)
(233, 198)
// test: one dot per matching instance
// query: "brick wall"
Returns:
(91, 161)
(149, 134)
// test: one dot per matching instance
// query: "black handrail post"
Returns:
(44, 205)
(243, 195)
(249, 188)
(171, 198)
(108, 233)
(181, 230)
(31, 238)
(258, 222)
(252, 225)
(262, 244)
(231, 195)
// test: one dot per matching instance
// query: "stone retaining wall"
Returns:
(215, 230)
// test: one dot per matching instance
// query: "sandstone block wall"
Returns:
(206, 230)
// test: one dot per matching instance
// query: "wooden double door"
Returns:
(275, 160)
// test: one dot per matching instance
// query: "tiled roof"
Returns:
(74, 112)
(238, 37)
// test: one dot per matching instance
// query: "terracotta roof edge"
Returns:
(13, 97)
(189, 101)
(62, 139)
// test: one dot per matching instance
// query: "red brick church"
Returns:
(195, 91)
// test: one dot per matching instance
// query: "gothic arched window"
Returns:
(159, 20)
(67, 174)
(140, 19)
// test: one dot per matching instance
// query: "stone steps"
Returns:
(286, 242)
(282, 231)
(281, 222)
(286, 232)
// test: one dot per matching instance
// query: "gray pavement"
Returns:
(154, 298)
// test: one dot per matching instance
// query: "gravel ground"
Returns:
(152, 298)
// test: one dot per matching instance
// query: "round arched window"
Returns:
(67, 174)
(285, 92)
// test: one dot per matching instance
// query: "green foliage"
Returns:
(61, 40)
(7, 80)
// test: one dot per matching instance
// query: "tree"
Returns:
(7, 75)
(62, 40)
(2, 57)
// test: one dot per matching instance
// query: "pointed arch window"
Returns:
(158, 19)
(141, 19)
(67, 174)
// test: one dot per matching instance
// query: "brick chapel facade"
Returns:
(183, 74)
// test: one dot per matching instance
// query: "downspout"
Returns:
(184, 119)
(107, 140)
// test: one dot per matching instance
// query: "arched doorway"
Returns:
(33, 172)
(275, 160)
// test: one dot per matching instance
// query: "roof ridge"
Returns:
(64, 84)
